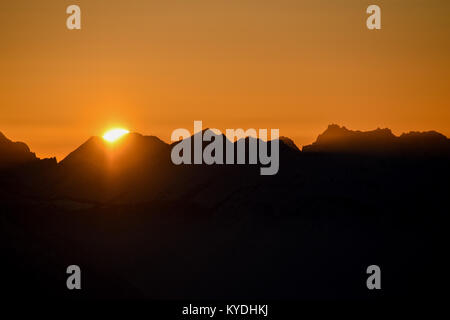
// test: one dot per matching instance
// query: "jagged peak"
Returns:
(381, 140)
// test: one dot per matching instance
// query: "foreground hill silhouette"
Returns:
(140, 226)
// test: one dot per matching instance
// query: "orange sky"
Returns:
(152, 66)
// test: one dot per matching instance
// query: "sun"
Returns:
(115, 134)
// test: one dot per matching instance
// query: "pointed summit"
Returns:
(99, 169)
(133, 147)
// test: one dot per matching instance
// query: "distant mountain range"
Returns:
(338, 139)
(138, 168)
(141, 226)
(96, 153)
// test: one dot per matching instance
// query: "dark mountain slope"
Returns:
(336, 139)
(100, 171)
(13, 154)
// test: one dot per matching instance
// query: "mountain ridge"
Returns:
(335, 139)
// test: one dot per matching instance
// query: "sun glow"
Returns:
(115, 134)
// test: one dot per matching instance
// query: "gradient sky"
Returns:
(154, 66)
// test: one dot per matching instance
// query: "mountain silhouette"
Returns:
(14, 153)
(142, 227)
(131, 150)
(138, 168)
(99, 170)
(336, 139)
